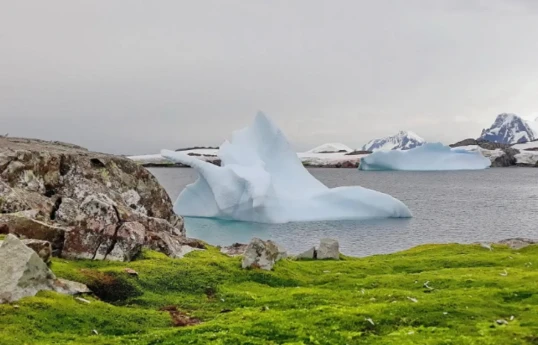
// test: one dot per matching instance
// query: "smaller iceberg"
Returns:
(262, 180)
(428, 157)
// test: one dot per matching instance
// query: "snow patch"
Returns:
(331, 148)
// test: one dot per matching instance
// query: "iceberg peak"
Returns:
(261, 179)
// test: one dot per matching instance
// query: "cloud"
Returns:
(135, 77)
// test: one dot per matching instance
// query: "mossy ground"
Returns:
(300, 302)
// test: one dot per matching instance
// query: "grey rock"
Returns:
(173, 246)
(328, 249)
(260, 254)
(518, 243)
(42, 248)
(236, 249)
(129, 239)
(68, 287)
(22, 272)
(22, 225)
(68, 211)
(282, 253)
(308, 254)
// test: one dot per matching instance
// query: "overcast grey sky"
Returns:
(126, 76)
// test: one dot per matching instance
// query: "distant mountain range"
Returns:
(403, 140)
(506, 129)
(510, 129)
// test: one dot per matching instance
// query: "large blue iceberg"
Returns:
(261, 179)
(428, 157)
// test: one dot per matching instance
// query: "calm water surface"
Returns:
(458, 206)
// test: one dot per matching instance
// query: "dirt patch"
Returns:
(179, 318)
(110, 286)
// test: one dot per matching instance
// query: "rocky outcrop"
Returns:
(505, 159)
(262, 254)
(23, 273)
(86, 204)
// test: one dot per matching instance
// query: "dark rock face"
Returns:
(488, 145)
(86, 204)
(506, 160)
(359, 152)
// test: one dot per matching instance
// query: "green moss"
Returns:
(300, 302)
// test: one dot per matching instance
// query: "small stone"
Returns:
(82, 300)
(414, 300)
(68, 287)
(502, 322)
(131, 272)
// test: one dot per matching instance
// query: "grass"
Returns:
(300, 302)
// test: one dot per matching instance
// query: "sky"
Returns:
(133, 77)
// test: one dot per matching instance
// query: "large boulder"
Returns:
(328, 249)
(22, 272)
(261, 254)
(87, 205)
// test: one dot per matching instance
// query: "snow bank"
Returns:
(428, 157)
(529, 158)
(331, 148)
(262, 180)
(208, 155)
(526, 146)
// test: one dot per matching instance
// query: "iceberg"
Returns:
(428, 157)
(261, 179)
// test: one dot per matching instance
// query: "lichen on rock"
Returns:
(88, 205)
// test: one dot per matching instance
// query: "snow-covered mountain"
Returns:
(533, 124)
(403, 140)
(510, 129)
(330, 148)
